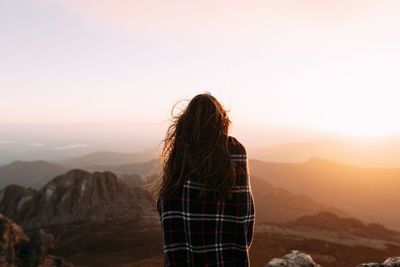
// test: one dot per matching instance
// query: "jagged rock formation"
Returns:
(16, 249)
(294, 259)
(298, 259)
(75, 197)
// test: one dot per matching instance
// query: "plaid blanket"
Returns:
(210, 233)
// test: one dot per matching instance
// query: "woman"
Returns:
(205, 202)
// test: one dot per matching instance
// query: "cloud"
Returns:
(6, 142)
(36, 144)
(70, 147)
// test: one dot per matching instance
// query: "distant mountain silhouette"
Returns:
(354, 151)
(279, 205)
(148, 168)
(108, 158)
(29, 173)
(370, 194)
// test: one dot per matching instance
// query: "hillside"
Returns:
(279, 205)
(326, 221)
(29, 173)
(370, 194)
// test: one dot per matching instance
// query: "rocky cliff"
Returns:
(16, 249)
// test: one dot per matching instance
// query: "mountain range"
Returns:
(108, 158)
(33, 174)
(95, 216)
(370, 194)
(367, 152)
(99, 218)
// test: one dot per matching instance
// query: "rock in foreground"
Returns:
(16, 249)
(390, 262)
(294, 259)
(297, 259)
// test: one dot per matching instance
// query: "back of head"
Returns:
(196, 145)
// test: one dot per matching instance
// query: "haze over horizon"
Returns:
(58, 141)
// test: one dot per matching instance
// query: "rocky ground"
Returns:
(326, 247)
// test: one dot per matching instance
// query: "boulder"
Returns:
(390, 262)
(294, 259)
(298, 259)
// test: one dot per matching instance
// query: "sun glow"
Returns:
(327, 65)
(365, 112)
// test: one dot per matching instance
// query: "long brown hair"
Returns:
(196, 145)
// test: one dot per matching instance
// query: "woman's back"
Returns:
(207, 232)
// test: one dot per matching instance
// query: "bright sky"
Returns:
(330, 65)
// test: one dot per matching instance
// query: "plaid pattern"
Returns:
(210, 233)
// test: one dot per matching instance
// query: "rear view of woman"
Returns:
(205, 202)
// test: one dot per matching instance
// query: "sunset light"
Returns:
(257, 133)
(329, 66)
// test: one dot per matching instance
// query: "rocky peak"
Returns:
(75, 196)
(84, 186)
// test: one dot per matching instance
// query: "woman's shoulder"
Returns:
(235, 147)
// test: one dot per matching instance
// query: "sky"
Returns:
(326, 65)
